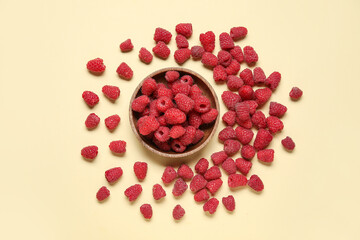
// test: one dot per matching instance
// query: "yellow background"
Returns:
(48, 190)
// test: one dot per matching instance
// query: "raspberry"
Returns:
(124, 71)
(126, 46)
(201, 195)
(197, 183)
(229, 118)
(262, 95)
(274, 124)
(259, 75)
(229, 203)
(118, 147)
(90, 98)
(210, 116)
(273, 81)
(211, 205)
(102, 194)
(218, 157)
(288, 143)
(112, 122)
(226, 41)
(247, 76)
(189, 136)
(195, 92)
(179, 187)
(245, 124)
(176, 131)
(224, 58)
(244, 135)
(252, 106)
(237, 54)
(229, 166)
(163, 91)
(177, 146)
(230, 99)
(172, 76)
(187, 79)
(246, 92)
(133, 192)
(178, 212)
(92, 121)
(227, 133)
(208, 41)
(198, 136)
(181, 41)
(148, 86)
(295, 93)
(149, 125)
(161, 50)
(214, 185)
(158, 192)
(164, 146)
(184, 103)
(162, 35)
(266, 155)
(182, 55)
(89, 152)
(259, 120)
(162, 134)
(113, 174)
(140, 170)
(96, 66)
(219, 74)
(277, 109)
(184, 29)
(153, 111)
(237, 33)
(237, 180)
(202, 104)
(248, 152)
(256, 183)
(250, 55)
(185, 172)
(234, 83)
(169, 175)
(146, 211)
(231, 147)
(163, 104)
(111, 92)
(179, 87)
(201, 166)
(145, 55)
(209, 60)
(243, 165)
(233, 68)
(262, 139)
(242, 111)
(197, 52)
(212, 173)
(174, 116)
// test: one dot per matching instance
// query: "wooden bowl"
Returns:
(209, 129)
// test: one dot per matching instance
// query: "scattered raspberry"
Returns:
(198, 136)
(118, 147)
(226, 41)
(124, 71)
(229, 203)
(90, 98)
(211, 205)
(242, 111)
(246, 92)
(113, 174)
(201, 195)
(133, 192)
(273, 81)
(259, 75)
(237, 180)
(162, 134)
(148, 125)
(182, 55)
(250, 55)
(169, 175)
(237, 54)
(274, 124)
(187, 79)
(252, 106)
(184, 29)
(177, 131)
(244, 135)
(266, 155)
(140, 170)
(247, 76)
(158, 192)
(179, 187)
(208, 41)
(148, 86)
(229, 166)
(262, 139)
(288, 143)
(218, 157)
(174, 116)
(197, 183)
(195, 92)
(162, 35)
(161, 50)
(178, 212)
(112, 122)
(89, 152)
(210, 116)
(202, 104)
(177, 146)
(255, 183)
(248, 152)
(202, 166)
(227, 133)
(224, 58)
(146, 211)
(233, 68)
(229, 118)
(111, 92)
(219, 74)
(214, 185)
(197, 52)
(212, 173)
(209, 60)
(145, 56)
(92, 121)
(102, 194)
(237, 33)
(234, 83)
(181, 41)
(184, 103)
(243, 165)
(172, 76)
(96, 66)
(277, 109)
(230, 99)
(295, 93)
(262, 95)
(179, 87)
(163, 104)
(126, 46)
(245, 124)
(185, 172)
(259, 120)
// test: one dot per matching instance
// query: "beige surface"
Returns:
(48, 191)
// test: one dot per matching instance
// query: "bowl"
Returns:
(208, 129)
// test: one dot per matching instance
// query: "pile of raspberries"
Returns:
(172, 115)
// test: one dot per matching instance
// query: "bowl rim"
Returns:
(167, 154)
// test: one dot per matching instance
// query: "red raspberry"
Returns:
(202, 104)
(250, 55)
(162, 35)
(242, 111)
(163, 104)
(126, 46)
(163, 91)
(133, 192)
(111, 92)
(185, 172)
(197, 52)
(201, 166)
(229, 118)
(184, 29)
(224, 58)
(140, 170)
(89, 152)
(227, 133)
(237, 180)
(230, 99)
(274, 124)
(148, 86)
(187, 79)
(245, 124)
(231, 146)
(162, 134)
(179, 187)
(277, 109)
(184, 103)
(189, 136)
(158, 192)
(248, 152)
(118, 147)
(211, 205)
(226, 41)
(177, 131)
(212, 173)
(179, 87)
(198, 136)
(92, 121)
(234, 83)
(102, 194)
(247, 76)
(288, 143)
(244, 135)
(174, 116)
(295, 93)
(208, 41)
(195, 92)
(252, 106)
(145, 55)
(162, 121)
(218, 157)
(169, 175)
(149, 125)
(197, 183)
(237, 33)
(113, 174)
(229, 166)
(229, 203)
(181, 41)
(172, 76)
(273, 81)
(214, 185)
(164, 146)
(210, 116)
(262, 95)
(182, 55)
(266, 155)
(161, 50)
(112, 122)
(146, 211)
(243, 165)
(177, 146)
(90, 98)
(246, 92)
(262, 139)
(256, 183)
(201, 195)
(219, 74)
(233, 68)
(96, 66)
(259, 120)
(259, 75)
(209, 60)
(124, 71)
(237, 54)
(153, 109)
(178, 212)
